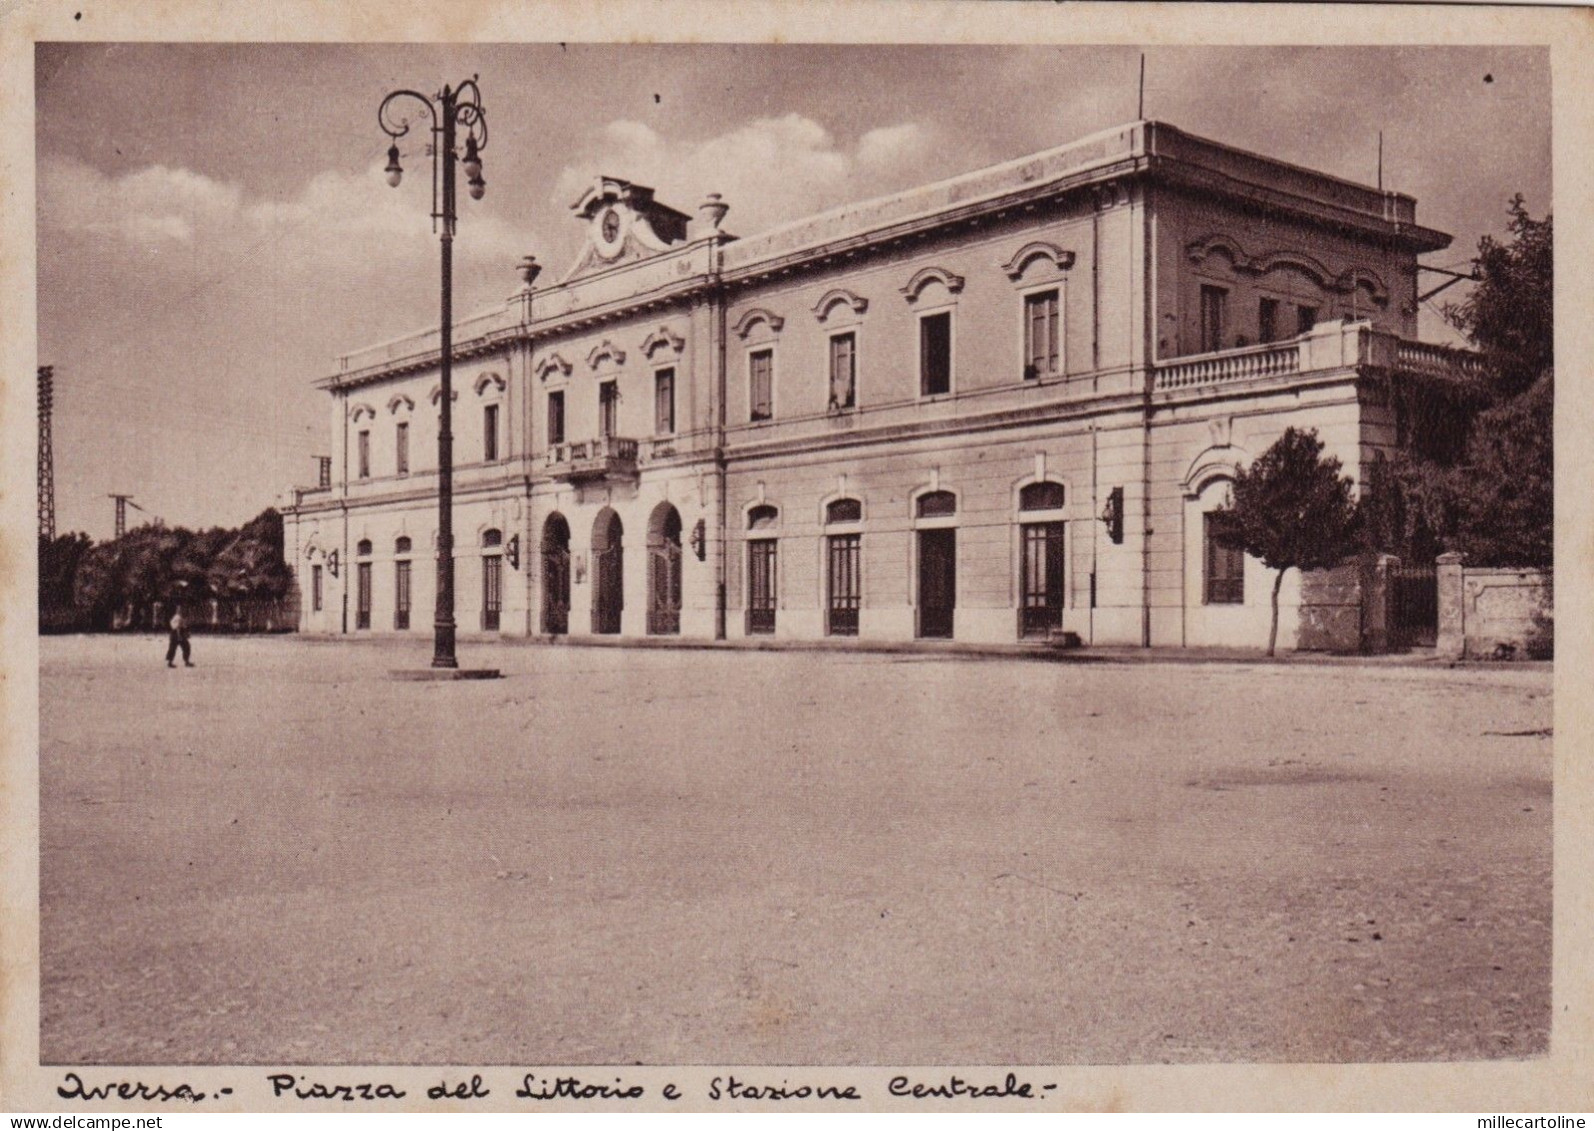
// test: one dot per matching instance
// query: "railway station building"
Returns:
(998, 408)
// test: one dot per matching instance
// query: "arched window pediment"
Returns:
(836, 296)
(661, 338)
(749, 319)
(437, 393)
(927, 275)
(605, 349)
(763, 517)
(1343, 283)
(487, 379)
(400, 401)
(1061, 258)
(361, 411)
(550, 363)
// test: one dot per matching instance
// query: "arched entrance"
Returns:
(664, 571)
(608, 573)
(556, 575)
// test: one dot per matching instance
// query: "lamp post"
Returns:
(455, 109)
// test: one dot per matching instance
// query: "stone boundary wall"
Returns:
(1495, 614)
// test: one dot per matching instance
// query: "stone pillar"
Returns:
(1377, 593)
(1452, 643)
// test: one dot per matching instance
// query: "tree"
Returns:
(1292, 508)
(1476, 473)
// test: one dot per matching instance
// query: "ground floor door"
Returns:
(556, 577)
(664, 575)
(492, 591)
(1042, 570)
(362, 605)
(846, 583)
(937, 582)
(608, 568)
(761, 587)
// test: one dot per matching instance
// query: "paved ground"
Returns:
(718, 857)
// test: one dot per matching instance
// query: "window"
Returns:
(664, 402)
(1041, 497)
(315, 589)
(608, 408)
(1214, 300)
(935, 354)
(1041, 353)
(401, 594)
(363, 547)
(490, 433)
(843, 371)
(844, 510)
(365, 454)
(1267, 320)
(761, 384)
(401, 448)
(1305, 319)
(937, 504)
(1225, 564)
(556, 418)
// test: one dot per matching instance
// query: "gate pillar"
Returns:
(1452, 643)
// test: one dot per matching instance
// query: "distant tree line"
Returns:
(224, 578)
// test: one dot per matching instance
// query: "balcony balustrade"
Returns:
(1330, 346)
(608, 457)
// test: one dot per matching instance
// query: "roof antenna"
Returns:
(1141, 116)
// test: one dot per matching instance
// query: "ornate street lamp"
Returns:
(455, 109)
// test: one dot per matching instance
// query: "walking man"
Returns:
(178, 638)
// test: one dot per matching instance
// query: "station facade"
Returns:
(997, 408)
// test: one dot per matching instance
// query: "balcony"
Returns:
(609, 457)
(1331, 346)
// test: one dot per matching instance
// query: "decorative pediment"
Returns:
(487, 379)
(1343, 283)
(361, 411)
(927, 275)
(832, 298)
(437, 393)
(400, 401)
(1061, 258)
(606, 349)
(749, 319)
(549, 363)
(660, 338)
(624, 224)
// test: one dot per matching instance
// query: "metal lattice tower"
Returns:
(121, 512)
(46, 454)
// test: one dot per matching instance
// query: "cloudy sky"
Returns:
(214, 229)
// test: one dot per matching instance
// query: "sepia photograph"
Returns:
(785, 561)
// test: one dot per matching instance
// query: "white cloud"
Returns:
(770, 170)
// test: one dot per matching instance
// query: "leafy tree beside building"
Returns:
(1292, 509)
(1476, 469)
